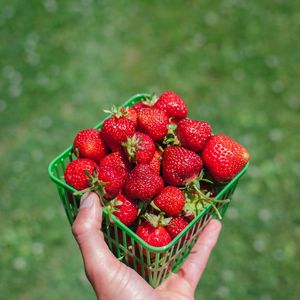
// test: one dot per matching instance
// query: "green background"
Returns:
(237, 65)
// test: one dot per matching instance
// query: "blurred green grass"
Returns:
(237, 64)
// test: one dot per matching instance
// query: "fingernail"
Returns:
(86, 200)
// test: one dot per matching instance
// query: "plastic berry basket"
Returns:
(154, 264)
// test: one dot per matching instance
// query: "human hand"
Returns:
(112, 279)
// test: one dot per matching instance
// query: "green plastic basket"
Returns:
(152, 263)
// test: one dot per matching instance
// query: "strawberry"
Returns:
(176, 225)
(153, 122)
(146, 103)
(112, 179)
(180, 166)
(224, 158)
(138, 106)
(193, 134)
(172, 105)
(156, 236)
(140, 148)
(170, 200)
(88, 143)
(117, 129)
(130, 114)
(143, 183)
(124, 208)
(155, 162)
(192, 207)
(75, 175)
(116, 159)
(189, 216)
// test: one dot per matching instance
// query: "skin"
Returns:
(112, 279)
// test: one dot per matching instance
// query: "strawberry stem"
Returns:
(117, 111)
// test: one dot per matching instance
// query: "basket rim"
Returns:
(132, 234)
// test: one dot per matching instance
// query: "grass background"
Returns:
(237, 64)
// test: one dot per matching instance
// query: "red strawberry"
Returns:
(176, 225)
(116, 159)
(189, 217)
(116, 130)
(180, 166)
(146, 103)
(172, 105)
(193, 134)
(154, 236)
(155, 163)
(138, 106)
(113, 180)
(140, 148)
(192, 207)
(142, 183)
(153, 122)
(124, 209)
(224, 158)
(88, 143)
(75, 175)
(170, 200)
(130, 114)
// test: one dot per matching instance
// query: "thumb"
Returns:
(89, 217)
(86, 229)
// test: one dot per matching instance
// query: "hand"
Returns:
(112, 279)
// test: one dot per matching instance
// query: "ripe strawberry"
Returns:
(146, 103)
(112, 179)
(180, 166)
(116, 130)
(154, 236)
(138, 106)
(224, 158)
(89, 143)
(176, 225)
(189, 216)
(130, 114)
(193, 134)
(75, 175)
(192, 207)
(155, 162)
(153, 122)
(172, 105)
(170, 200)
(116, 159)
(124, 208)
(142, 183)
(140, 148)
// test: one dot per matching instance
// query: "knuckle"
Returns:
(81, 228)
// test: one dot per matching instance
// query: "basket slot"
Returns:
(67, 207)
(163, 269)
(116, 238)
(156, 269)
(141, 260)
(133, 253)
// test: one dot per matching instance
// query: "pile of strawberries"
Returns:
(154, 168)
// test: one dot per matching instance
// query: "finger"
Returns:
(86, 229)
(195, 264)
